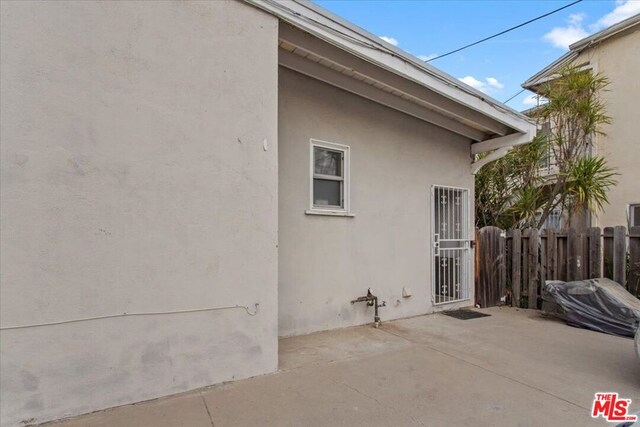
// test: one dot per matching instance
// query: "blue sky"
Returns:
(500, 65)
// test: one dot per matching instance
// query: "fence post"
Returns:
(595, 252)
(620, 255)
(516, 267)
(533, 268)
(607, 246)
(634, 261)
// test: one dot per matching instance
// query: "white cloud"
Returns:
(562, 37)
(489, 85)
(576, 18)
(494, 83)
(623, 10)
(530, 101)
(533, 100)
(427, 57)
(390, 40)
(473, 82)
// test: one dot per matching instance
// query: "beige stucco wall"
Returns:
(324, 262)
(618, 59)
(139, 173)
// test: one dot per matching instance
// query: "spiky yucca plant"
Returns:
(588, 182)
(514, 191)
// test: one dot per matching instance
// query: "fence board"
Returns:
(562, 256)
(525, 265)
(620, 254)
(573, 255)
(508, 248)
(607, 246)
(534, 266)
(516, 267)
(595, 253)
(552, 255)
(543, 257)
(502, 266)
(633, 282)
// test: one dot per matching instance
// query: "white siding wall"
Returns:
(324, 262)
(135, 178)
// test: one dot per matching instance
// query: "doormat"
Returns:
(464, 314)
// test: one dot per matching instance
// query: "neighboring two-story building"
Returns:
(615, 53)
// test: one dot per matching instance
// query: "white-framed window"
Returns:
(329, 178)
(634, 214)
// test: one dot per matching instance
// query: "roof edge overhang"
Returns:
(366, 47)
(550, 71)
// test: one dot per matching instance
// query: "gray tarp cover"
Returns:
(599, 304)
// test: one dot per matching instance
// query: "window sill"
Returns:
(329, 213)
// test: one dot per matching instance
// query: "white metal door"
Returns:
(451, 244)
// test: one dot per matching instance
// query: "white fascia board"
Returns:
(606, 33)
(548, 71)
(358, 42)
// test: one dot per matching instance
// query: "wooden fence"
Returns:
(511, 266)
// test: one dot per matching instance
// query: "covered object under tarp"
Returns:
(599, 304)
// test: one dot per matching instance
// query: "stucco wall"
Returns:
(324, 262)
(618, 59)
(135, 177)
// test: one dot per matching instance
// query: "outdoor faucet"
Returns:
(372, 301)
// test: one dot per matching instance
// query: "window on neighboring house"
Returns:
(554, 220)
(634, 215)
(330, 177)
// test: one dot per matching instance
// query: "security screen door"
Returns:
(450, 243)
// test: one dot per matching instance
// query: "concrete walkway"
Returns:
(515, 368)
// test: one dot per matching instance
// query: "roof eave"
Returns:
(330, 28)
(577, 47)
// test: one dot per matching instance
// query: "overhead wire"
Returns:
(504, 102)
(503, 32)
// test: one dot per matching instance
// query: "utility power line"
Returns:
(504, 32)
(504, 102)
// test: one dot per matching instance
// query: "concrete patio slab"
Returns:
(513, 368)
(539, 351)
(187, 410)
